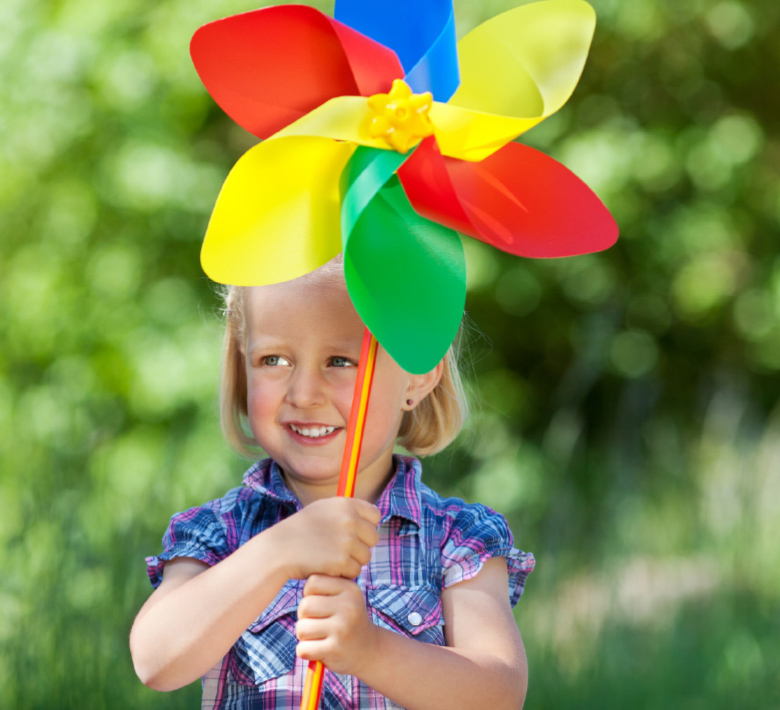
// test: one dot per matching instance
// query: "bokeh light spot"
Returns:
(730, 23)
(754, 314)
(705, 284)
(633, 353)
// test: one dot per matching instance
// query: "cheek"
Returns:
(388, 394)
(341, 399)
(261, 400)
(385, 405)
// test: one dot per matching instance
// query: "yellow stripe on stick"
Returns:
(347, 477)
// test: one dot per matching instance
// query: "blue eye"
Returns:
(274, 360)
(338, 361)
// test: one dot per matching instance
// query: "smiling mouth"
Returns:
(313, 432)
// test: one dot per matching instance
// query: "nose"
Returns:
(307, 387)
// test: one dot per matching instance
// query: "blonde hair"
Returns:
(427, 429)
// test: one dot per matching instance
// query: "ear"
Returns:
(420, 386)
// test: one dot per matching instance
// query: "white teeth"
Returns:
(314, 433)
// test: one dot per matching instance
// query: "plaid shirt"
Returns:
(427, 543)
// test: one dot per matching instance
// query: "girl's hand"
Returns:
(333, 626)
(333, 536)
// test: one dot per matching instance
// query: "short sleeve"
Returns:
(200, 533)
(477, 534)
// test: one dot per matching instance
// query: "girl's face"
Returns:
(302, 347)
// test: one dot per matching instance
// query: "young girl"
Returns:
(404, 596)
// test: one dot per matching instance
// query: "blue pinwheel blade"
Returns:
(422, 34)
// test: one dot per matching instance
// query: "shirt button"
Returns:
(414, 619)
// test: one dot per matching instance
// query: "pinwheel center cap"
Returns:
(400, 117)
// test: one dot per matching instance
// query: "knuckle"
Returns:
(341, 565)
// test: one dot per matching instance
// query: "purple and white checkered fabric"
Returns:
(427, 543)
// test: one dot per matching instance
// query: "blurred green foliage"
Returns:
(626, 419)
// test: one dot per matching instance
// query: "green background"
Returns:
(626, 417)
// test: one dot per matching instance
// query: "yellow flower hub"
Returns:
(400, 117)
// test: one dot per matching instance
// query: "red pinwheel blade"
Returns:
(427, 184)
(269, 67)
(518, 200)
(373, 65)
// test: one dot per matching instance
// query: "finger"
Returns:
(361, 555)
(313, 650)
(354, 570)
(311, 630)
(316, 607)
(367, 533)
(332, 591)
(348, 566)
(367, 511)
(323, 585)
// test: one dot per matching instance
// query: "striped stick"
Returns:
(347, 476)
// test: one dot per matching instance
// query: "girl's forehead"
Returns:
(301, 306)
(292, 295)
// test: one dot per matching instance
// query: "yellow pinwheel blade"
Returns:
(516, 69)
(278, 214)
(343, 118)
(527, 61)
(474, 135)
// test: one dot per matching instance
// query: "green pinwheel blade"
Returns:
(406, 275)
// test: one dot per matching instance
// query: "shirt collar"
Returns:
(401, 497)
(265, 477)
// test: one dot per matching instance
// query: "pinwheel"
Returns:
(375, 146)
(383, 138)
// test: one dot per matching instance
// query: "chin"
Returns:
(312, 471)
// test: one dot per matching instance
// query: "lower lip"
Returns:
(311, 441)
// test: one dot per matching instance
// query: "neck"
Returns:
(370, 483)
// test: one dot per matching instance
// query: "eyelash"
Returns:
(264, 361)
(346, 362)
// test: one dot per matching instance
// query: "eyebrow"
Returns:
(338, 348)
